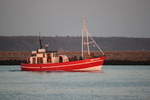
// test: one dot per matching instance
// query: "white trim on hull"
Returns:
(94, 68)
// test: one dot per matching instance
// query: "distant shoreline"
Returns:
(70, 43)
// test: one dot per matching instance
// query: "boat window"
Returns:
(34, 61)
(49, 60)
(60, 59)
(39, 60)
(33, 54)
(48, 55)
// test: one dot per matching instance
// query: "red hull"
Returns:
(93, 64)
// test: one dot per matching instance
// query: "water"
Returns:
(114, 83)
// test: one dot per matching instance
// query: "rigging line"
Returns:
(96, 44)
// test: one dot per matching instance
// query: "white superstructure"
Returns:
(42, 57)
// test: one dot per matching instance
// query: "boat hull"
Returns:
(94, 64)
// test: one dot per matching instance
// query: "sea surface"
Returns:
(112, 83)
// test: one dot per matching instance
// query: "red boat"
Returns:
(94, 64)
(43, 60)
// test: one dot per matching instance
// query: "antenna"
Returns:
(40, 41)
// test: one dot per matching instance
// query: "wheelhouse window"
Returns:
(39, 60)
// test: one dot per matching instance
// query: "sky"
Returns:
(106, 18)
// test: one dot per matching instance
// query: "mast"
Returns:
(87, 40)
(85, 37)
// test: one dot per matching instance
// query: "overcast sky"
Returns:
(130, 18)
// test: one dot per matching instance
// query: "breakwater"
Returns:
(112, 57)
